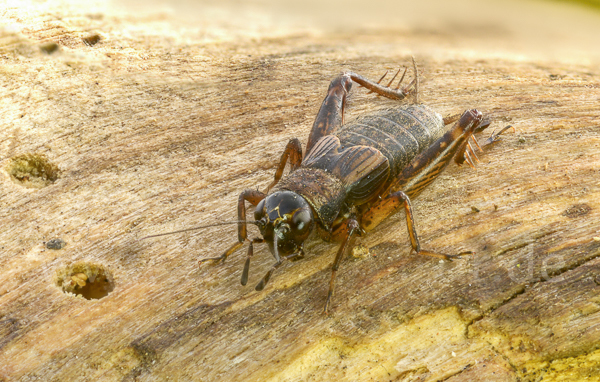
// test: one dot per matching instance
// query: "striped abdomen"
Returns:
(399, 134)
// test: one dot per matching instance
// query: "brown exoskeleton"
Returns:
(354, 175)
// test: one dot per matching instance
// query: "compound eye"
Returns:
(301, 220)
(260, 210)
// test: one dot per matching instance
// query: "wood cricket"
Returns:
(354, 175)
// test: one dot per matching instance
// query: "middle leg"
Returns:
(293, 152)
(351, 227)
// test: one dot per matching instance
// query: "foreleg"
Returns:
(252, 196)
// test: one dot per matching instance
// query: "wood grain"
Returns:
(155, 129)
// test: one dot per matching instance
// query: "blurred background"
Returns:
(563, 31)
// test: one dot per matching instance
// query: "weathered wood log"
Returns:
(110, 133)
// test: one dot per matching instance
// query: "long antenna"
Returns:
(199, 227)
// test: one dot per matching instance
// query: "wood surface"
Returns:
(157, 123)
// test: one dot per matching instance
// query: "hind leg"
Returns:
(331, 113)
(420, 172)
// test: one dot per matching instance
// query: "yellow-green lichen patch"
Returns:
(32, 171)
(585, 367)
(431, 347)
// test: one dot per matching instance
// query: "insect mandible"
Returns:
(354, 175)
